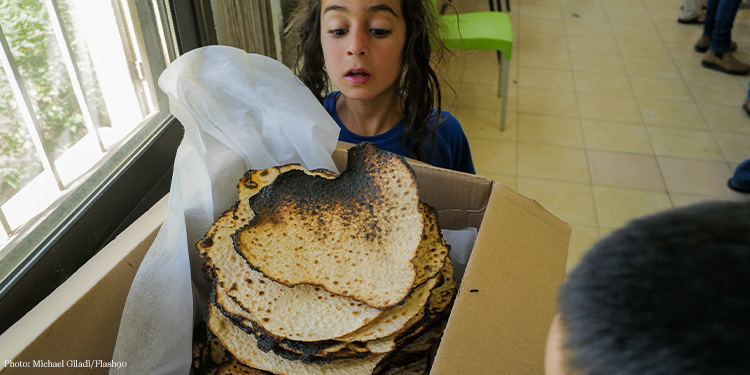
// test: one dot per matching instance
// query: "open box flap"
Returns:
(507, 298)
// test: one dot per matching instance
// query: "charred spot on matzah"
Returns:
(301, 211)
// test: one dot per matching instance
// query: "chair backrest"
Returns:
(479, 30)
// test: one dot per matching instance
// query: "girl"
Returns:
(377, 53)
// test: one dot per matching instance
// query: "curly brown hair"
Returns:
(423, 50)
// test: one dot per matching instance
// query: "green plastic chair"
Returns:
(490, 31)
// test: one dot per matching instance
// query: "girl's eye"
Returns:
(337, 32)
(380, 33)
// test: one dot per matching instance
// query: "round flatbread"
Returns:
(355, 235)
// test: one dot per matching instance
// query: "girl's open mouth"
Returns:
(357, 76)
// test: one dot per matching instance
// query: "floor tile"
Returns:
(614, 136)
(581, 239)
(652, 68)
(571, 202)
(693, 144)
(545, 79)
(665, 89)
(546, 102)
(736, 147)
(726, 118)
(577, 26)
(541, 25)
(602, 83)
(625, 170)
(683, 52)
(616, 206)
(597, 63)
(491, 156)
(643, 32)
(545, 59)
(627, 16)
(541, 11)
(483, 97)
(673, 32)
(608, 108)
(623, 4)
(537, 40)
(643, 48)
(586, 4)
(485, 74)
(679, 114)
(552, 162)
(710, 92)
(697, 177)
(587, 44)
(485, 123)
(584, 12)
(552, 130)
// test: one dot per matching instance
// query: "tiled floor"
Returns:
(610, 114)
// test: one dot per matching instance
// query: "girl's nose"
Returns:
(357, 43)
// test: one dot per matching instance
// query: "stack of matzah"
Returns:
(315, 273)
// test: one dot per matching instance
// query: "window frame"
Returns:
(62, 244)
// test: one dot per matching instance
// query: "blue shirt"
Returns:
(453, 148)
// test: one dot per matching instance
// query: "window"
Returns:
(74, 86)
(86, 138)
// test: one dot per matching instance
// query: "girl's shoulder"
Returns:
(448, 124)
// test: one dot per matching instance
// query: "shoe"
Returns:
(704, 43)
(692, 21)
(738, 188)
(740, 181)
(727, 63)
(746, 107)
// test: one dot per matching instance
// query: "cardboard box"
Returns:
(498, 324)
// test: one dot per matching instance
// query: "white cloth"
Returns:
(461, 242)
(240, 111)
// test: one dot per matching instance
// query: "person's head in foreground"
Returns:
(666, 294)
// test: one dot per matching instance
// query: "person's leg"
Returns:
(723, 19)
(719, 56)
(708, 24)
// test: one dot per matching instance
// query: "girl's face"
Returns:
(363, 42)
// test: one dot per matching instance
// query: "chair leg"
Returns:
(503, 89)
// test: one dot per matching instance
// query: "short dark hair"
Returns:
(666, 294)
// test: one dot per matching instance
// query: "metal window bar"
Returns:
(73, 73)
(29, 118)
(132, 53)
(163, 24)
(26, 108)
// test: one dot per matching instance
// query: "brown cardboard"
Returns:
(508, 294)
(80, 319)
(499, 320)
